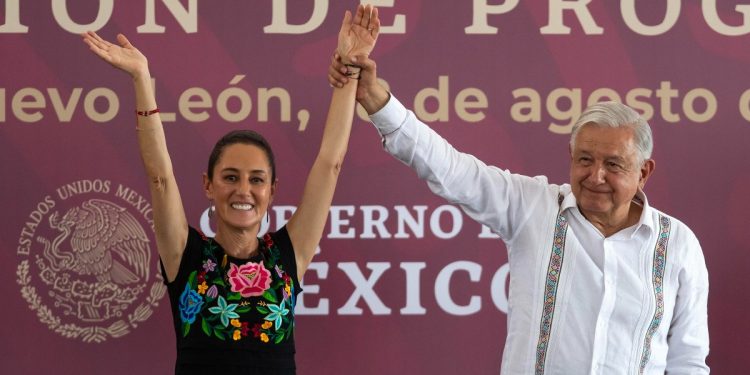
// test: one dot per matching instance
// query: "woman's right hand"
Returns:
(124, 57)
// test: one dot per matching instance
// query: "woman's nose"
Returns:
(244, 187)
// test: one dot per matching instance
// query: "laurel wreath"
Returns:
(93, 334)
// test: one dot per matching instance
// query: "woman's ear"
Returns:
(207, 187)
(273, 190)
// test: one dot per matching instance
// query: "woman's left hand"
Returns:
(357, 37)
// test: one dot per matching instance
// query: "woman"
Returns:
(233, 296)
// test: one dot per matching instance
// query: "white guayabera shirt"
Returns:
(579, 303)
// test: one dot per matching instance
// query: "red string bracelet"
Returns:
(147, 113)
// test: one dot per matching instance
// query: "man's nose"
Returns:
(597, 174)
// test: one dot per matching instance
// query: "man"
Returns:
(600, 281)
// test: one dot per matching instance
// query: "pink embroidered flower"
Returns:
(209, 265)
(249, 279)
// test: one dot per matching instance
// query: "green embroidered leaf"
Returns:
(234, 297)
(191, 279)
(212, 317)
(206, 327)
(270, 295)
(185, 329)
(262, 309)
(279, 338)
(243, 309)
(219, 335)
(219, 282)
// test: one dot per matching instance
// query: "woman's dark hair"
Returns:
(247, 137)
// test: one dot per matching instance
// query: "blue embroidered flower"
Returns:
(224, 311)
(277, 312)
(190, 304)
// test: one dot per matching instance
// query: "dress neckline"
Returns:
(256, 258)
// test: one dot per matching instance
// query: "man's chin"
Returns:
(593, 208)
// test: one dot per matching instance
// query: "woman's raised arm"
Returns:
(170, 223)
(356, 39)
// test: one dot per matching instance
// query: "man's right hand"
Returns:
(370, 94)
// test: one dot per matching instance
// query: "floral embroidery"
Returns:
(277, 314)
(190, 304)
(279, 322)
(287, 286)
(550, 289)
(224, 311)
(212, 292)
(244, 329)
(202, 288)
(250, 279)
(218, 296)
(660, 261)
(209, 265)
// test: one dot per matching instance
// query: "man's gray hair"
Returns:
(616, 115)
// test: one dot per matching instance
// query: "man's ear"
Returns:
(646, 170)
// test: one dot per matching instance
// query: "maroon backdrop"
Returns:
(404, 282)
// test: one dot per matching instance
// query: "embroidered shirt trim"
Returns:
(659, 264)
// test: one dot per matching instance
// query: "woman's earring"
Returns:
(211, 210)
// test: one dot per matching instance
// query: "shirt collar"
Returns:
(646, 219)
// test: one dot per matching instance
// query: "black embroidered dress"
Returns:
(235, 315)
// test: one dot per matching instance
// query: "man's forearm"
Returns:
(374, 99)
